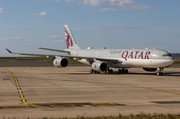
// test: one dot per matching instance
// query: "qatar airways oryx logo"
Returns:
(69, 41)
(135, 55)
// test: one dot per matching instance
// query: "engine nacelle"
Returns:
(150, 69)
(99, 66)
(60, 62)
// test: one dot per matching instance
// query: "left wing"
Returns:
(108, 60)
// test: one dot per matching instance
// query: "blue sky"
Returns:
(26, 25)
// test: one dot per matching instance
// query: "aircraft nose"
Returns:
(170, 61)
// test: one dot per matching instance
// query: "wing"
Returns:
(108, 60)
(39, 55)
(63, 51)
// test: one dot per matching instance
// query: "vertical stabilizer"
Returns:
(70, 41)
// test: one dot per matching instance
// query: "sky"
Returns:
(26, 25)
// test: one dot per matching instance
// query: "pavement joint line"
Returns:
(132, 86)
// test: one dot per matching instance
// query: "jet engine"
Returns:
(99, 66)
(150, 69)
(60, 62)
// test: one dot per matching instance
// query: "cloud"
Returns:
(9, 38)
(66, 0)
(29, 32)
(2, 10)
(41, 14)
(116, 28)
(108, 9)
(124, 4)
(69, 0)
(59, 41)
(52, 37)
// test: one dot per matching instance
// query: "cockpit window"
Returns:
(165, 55)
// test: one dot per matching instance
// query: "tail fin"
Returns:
(70, 42)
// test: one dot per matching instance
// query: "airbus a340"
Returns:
(102, 60)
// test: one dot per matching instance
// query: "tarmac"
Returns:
(48, 91)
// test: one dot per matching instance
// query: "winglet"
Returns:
(8, 50)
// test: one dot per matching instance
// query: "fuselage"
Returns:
(145, 58)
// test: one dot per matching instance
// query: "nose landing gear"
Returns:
(159, 71)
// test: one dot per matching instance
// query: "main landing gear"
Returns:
(120, 71)
(110, 71)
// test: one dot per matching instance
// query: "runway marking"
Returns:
(21, 96)
(23, 100)
(20, 92)
(33, 104)
(60, 105)
(18, 87)
(15, 107)
(63, 105)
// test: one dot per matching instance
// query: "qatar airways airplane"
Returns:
(102, 60)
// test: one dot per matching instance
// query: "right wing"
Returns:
(108, 60)
(63, 51)
(40, 55)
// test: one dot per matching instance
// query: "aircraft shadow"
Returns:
(130, 73)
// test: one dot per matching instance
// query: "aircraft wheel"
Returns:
(95, 72)
(123, 71)
(91, 71)
(126, 71)
(159, 73)
(119, 71)
(111, 71)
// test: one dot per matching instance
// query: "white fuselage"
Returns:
(145, 58)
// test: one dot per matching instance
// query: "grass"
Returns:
(4, 60)
(71, 61)
(131, 116)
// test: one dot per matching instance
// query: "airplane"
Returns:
(102, 60)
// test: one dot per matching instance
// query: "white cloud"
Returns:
(124, 4)
(69, 0)
(116, 28)
(29, 32)
(108, 9)
(52, 37)
(66, 0)
(2, 10)
(41, 14)
(10, 38)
